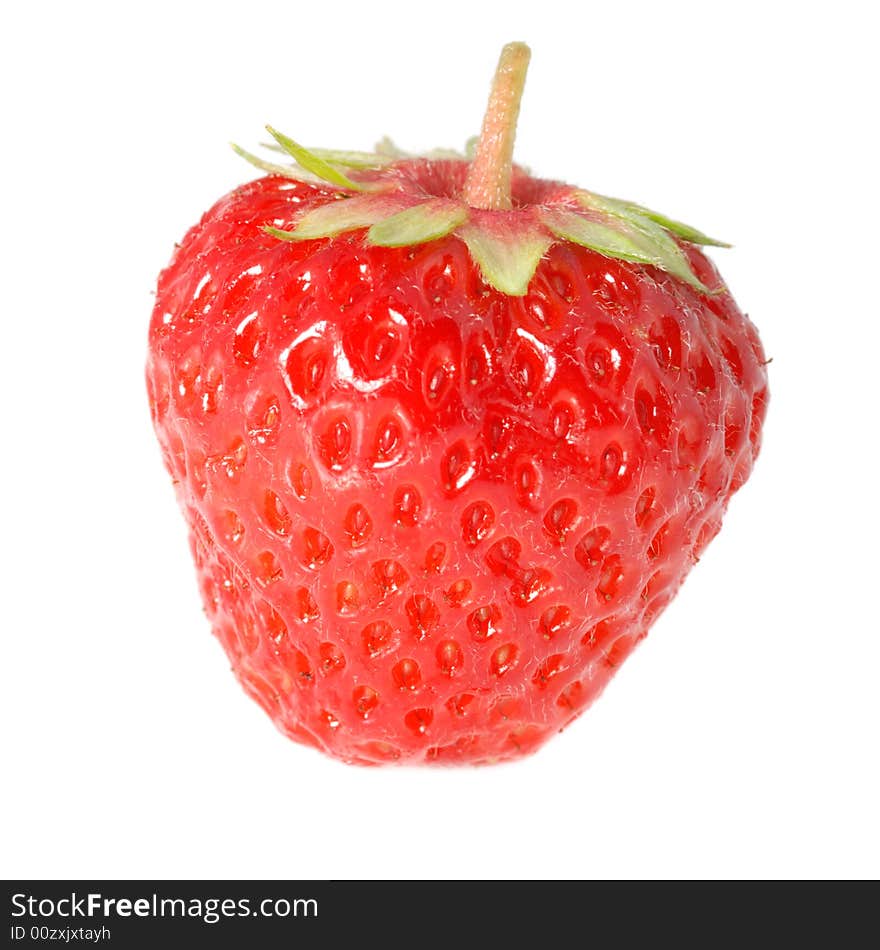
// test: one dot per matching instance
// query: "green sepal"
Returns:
(344, 214)
(507, 259)
(271, 168)
(613, 229)
(679, 228)
(612, 240)
(341, 157)
(417, 225)
(389, 149)
(630, 209)
(349, 159)
(313, 163)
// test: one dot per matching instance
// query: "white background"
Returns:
(740, 739)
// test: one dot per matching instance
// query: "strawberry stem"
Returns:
(488, 181)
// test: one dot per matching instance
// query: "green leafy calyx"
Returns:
(389, 193)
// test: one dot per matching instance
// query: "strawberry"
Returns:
(447, 437)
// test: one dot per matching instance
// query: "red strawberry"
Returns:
(442, 475)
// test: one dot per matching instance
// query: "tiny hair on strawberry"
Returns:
(447, 437)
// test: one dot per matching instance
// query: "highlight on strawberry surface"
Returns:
(447, 437)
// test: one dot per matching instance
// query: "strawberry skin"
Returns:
(431, 519)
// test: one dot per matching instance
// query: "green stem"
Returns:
(488, 180)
